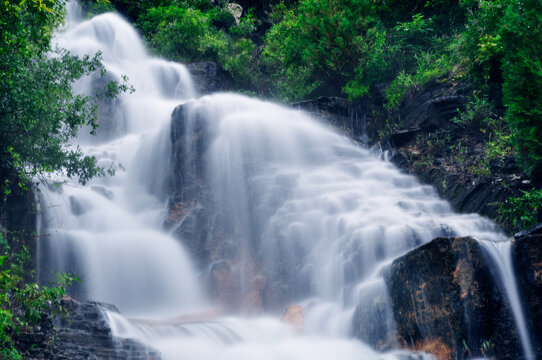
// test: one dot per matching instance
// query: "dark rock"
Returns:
(535, 230)
(469, 184)
(446, 301)
(210, 77)
(469, 194)
(527, 260)
(82, 333)
(110, 119)
(373, 318)
(336, 111)
(210, 235)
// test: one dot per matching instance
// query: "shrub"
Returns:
(182, 34)
(324, 43)
(521, 37)
(522, 212)
(23, 305)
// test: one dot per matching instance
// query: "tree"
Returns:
(39, 114)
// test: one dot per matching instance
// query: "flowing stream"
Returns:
(323, 214)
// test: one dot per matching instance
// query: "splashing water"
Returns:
(316, 214)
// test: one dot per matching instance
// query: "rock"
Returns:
(236, 11)
(527, 260)
(339, 113)
(373, 318)
(293, 315)
(211, 236)
(446, 301)
(210, 77)
(84, 333)
(468, 194)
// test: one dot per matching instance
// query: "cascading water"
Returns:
(314, 215)
(501, 255)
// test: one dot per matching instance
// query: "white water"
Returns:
(501, 254)
(329, 214)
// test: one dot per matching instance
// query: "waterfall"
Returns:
(501, 255)
(298, 207)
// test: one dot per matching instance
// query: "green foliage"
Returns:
(503, 45)
(478, 111)
(182, 34)
(93, 7)
(24, 305)
(481, 43)
(521, 35)
(188, 34)
(39, 114)
(430, 66)
(324, 43)
(523, 212)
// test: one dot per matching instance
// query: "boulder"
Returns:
(527, 260)
(236, 11)
(447, 301)
(210, 77)
(336, 111)
(82, 333)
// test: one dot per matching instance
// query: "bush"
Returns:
(521, 38)
(523, 212)
(24, 305)
(182, 34)
(326, 44)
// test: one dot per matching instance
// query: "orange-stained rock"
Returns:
(293, 315)
(437, 348)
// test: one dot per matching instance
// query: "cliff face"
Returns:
(425, 142)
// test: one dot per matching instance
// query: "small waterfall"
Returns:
(501, 254)
(109, 231)
(298, 208)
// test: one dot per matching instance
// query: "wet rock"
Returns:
(527, 259)
(83, 333)
(466, 193)
(446, 301)
(338, 112)
(373, 318)
(293, 315)
(471, 185)
(211, 236)
(224, 284)
(210, 77)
